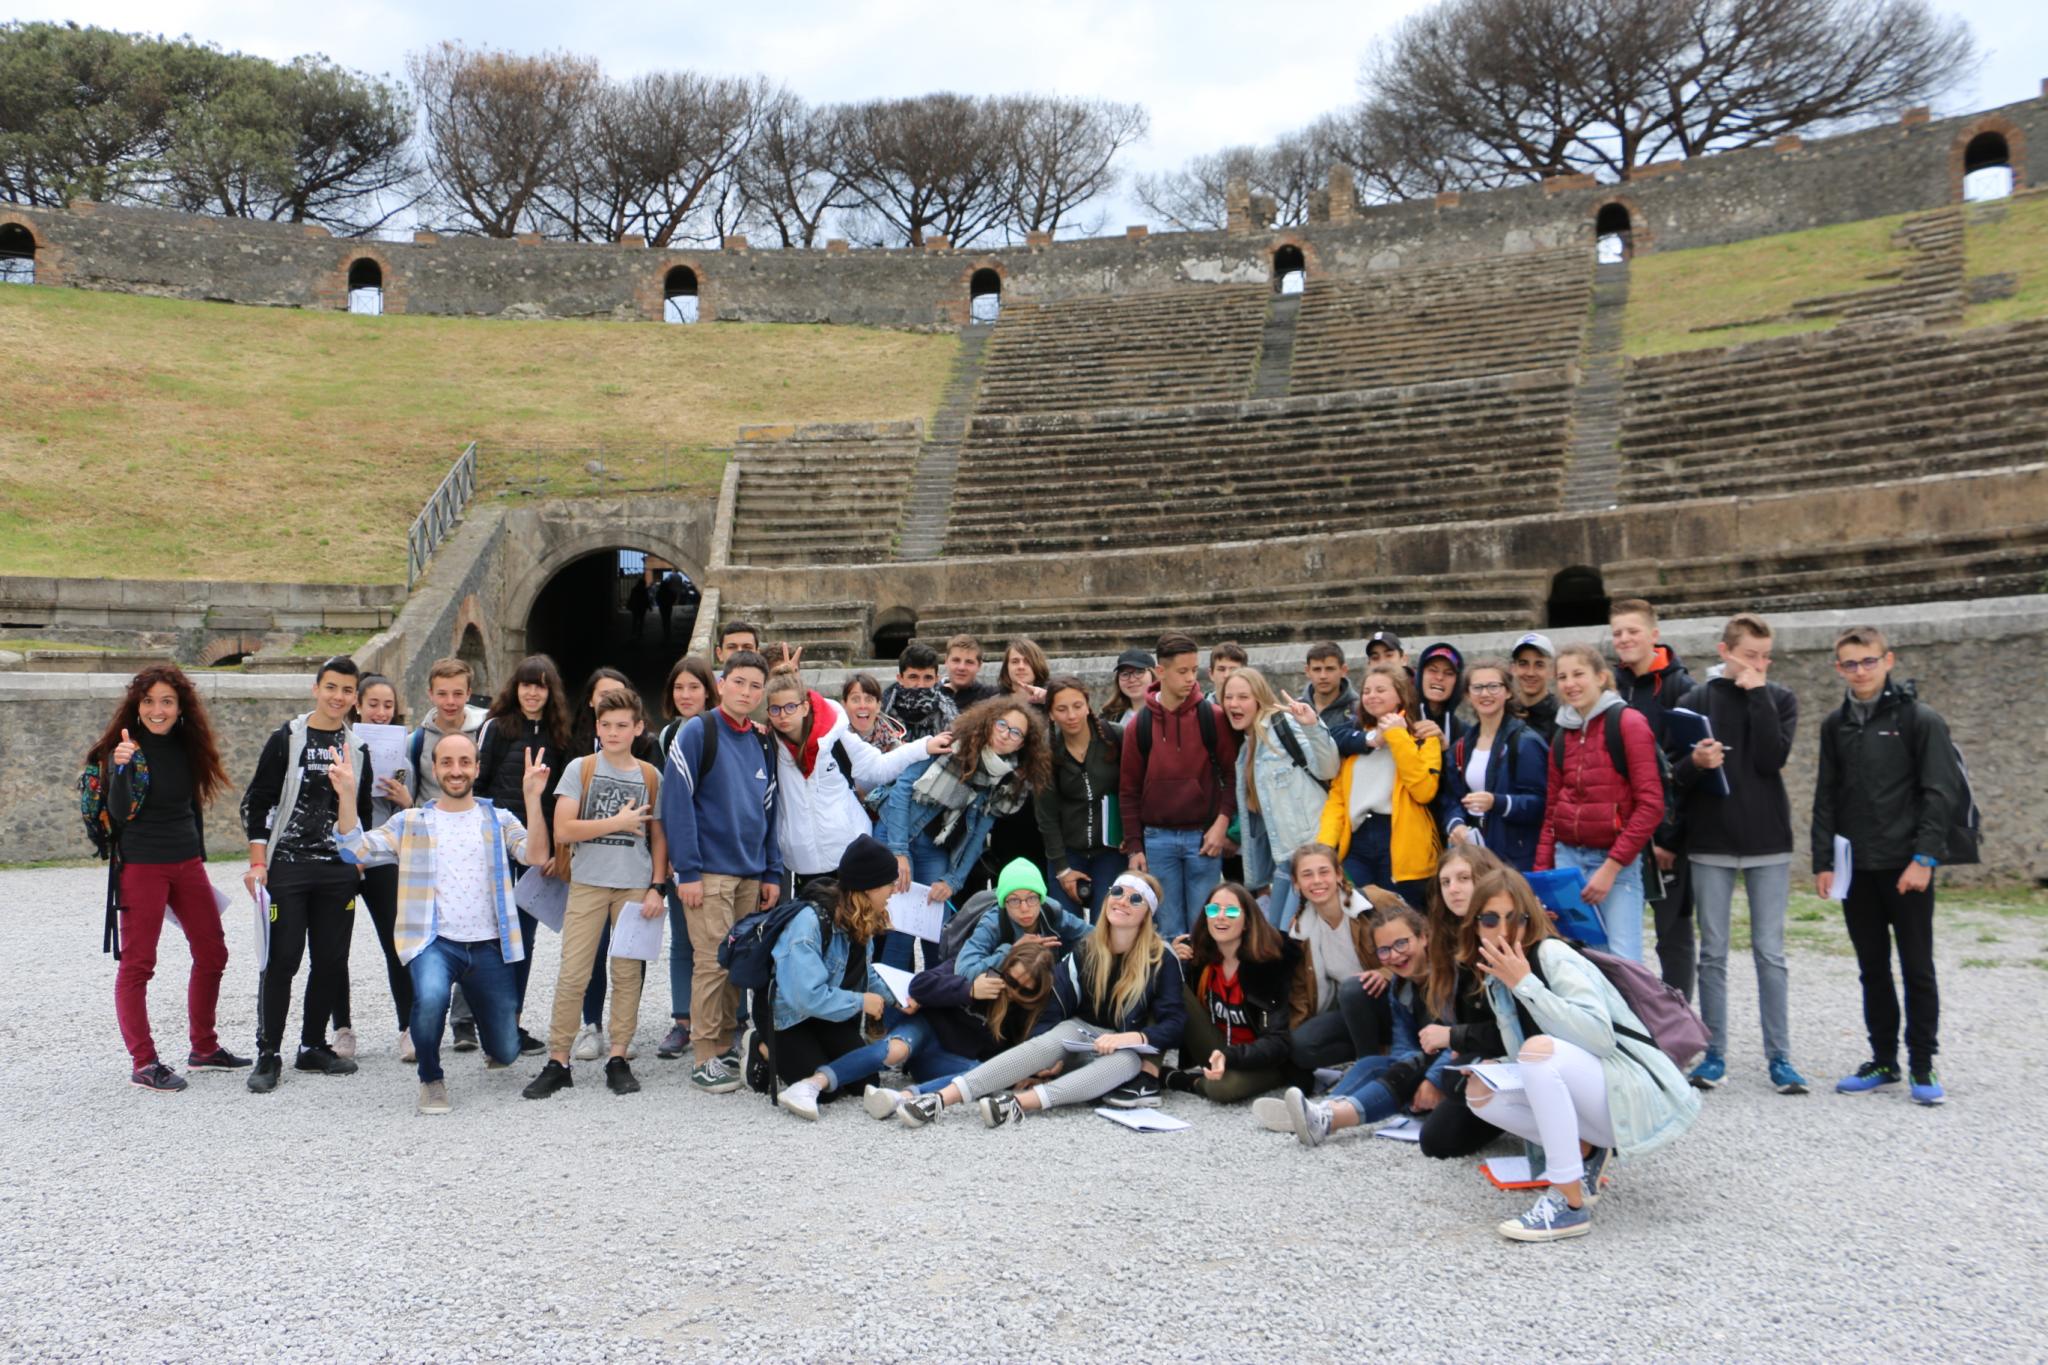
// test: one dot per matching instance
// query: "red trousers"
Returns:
(146, 888)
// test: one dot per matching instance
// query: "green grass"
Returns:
(1740, 290)
(327, 643)
(22, 646)
(2013, 242)
(203, 440)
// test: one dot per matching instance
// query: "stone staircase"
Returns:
(1593, 476)
(1928, 287)
(1276, 347)
(922, 534)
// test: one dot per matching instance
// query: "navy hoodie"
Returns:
(723, 824)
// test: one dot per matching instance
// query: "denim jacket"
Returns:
(904, 817)
(1405, 999)
(808, 972)
(990, 942)
(1290, 799)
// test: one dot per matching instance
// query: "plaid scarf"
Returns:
(994, 781)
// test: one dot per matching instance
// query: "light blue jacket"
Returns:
(808, 972)
(904, 817)
(1648, 1098)
(1290, 799)
(988, 945)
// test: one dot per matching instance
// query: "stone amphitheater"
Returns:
(1419, 414)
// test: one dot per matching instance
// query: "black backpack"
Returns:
(1966, 823)
(1617, 752)
(748, 959)
(1294, 751)
(965, 921)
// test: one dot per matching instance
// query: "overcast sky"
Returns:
(1212, 74)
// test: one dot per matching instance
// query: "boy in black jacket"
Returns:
(1890, 785)
(1746, 833)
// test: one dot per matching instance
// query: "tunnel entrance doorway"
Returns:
(619, 608)
(1577, 598)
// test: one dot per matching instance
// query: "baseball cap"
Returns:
(1380, 635)
(1537, 639)
(1133, 658)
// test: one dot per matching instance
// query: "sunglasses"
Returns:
(1858, 665)
(1397, 948)
(780, 711)
(1490, 919)
(1125, 893)
(1213, 911)
(1004, 727)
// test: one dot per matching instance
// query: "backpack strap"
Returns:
(845, 764)
(1144, 724)
(652, 777)
(1294, 750)
(1617, 747)
(1536, 966)
(413, 752)
(708, 755)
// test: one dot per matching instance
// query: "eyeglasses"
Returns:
(1858, 665)
(778, 712)
(1021, 899)
(1213, 910)
(1486, 689)
(1490, 919)
(1398, 948)
(1004, 727)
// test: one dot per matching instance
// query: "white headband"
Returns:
(1145, 893)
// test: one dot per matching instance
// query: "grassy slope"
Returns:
(148, 437)
(1671, 294)
(2013, 242)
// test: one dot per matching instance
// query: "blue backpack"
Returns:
(748, 958)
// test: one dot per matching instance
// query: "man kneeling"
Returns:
(456, 921)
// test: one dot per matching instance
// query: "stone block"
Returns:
(837, 246)
(734, 243)
(1137, 232)
(1915, 116)
(1037, 239)
(421, 237)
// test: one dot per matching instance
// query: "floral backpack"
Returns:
(93, 787)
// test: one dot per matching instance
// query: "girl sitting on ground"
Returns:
(1594, 1083)
(951, 1023)
(1121, 989)
(1239, 976)
(1022, 914)
(1337, 1006)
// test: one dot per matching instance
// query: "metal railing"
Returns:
(440, 516)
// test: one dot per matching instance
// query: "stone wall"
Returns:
(1902, 167)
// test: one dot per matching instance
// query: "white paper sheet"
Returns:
(635, 935)
(1845, 867)
(896, 979)
(1087, 1045)
(1499, 1075)
(1401, 1130)
(914, 912)
(1144, 1120)
(543, 897)
(386, 744)
(1509, 1170)
(262, 903)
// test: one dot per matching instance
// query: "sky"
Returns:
(1212, 74)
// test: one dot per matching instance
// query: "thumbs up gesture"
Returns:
(125, 750)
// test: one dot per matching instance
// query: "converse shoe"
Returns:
(714, 1077)
(800, 1098)
(220, 1059)
(1595, 1163)
(1549, 1219)
(433, 1097)
(1309, 1118)
(619, 1077)
(997, 1110)
(918, 1110)
(1270, 1111)
(554, 1076)
(881, 1102)
(345, 1042)
(158, 1078)
(589, 1045)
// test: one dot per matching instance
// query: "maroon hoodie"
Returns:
(1177, 787)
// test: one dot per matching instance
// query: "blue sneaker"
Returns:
(1783, 1076)
(1549, 1219)
(1596, 1166)
(1870, 1076)
(1710, 1072)
(1926, 1088)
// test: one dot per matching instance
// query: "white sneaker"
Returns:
(344, 1042)
(406, 1051)
(589, 1044)
(800, 1098)
(880, 1102)
(1271, 1113)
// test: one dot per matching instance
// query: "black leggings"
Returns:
(801, 1050)
(312, 912)
(1362, 1025)
(380, 898)
(1453, 1130)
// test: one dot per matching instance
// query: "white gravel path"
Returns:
(328, 1221)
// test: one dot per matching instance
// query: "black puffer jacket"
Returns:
(1757, 725)
(1265, 986)
(1890, 785)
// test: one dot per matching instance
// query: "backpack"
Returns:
(94, 784)
(1205, 721)
(1966, 824)
(1294, 751)
(1675, 1028)
(748, 959)
(965, 921)
(565, 856)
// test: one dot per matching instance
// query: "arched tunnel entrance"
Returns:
(621, 608)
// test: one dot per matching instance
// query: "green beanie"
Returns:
(1021, 875)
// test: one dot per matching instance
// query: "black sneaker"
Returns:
(554, 1076)
(529, 1046)
(220, 1059)
(465, 1035)
(324, 1060)
(619, 1079)
(158, 1077)
(263, 1079)
(1184, 1080)
(1140, 1092)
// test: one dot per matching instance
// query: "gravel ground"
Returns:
(330, 1221)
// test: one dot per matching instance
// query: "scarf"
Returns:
(994, 781)
(923, 711)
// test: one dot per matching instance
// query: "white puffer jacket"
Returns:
(819, 815)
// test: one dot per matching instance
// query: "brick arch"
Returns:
(2015, 148)
(49, 259)
(1640, 237)
(333, 291)
(653, 292)
(224, 646)
(1311, 266)
(959, 307)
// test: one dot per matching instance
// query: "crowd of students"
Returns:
(1317, 905)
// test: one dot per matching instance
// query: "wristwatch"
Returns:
(1925, 861)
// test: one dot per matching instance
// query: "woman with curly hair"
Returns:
(941, 809)
(162, 767)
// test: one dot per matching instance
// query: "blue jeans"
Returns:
(928, 1061)
(927, 864)
(1101, 868)
(1281, 900)
(1185, 877)
(682, 958)
(1362, 1088)
(1621, 914)
(1369, 861)
(493, 990)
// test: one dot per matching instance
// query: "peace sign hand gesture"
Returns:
(1300, 710)
(533, 784)
(342, 774)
